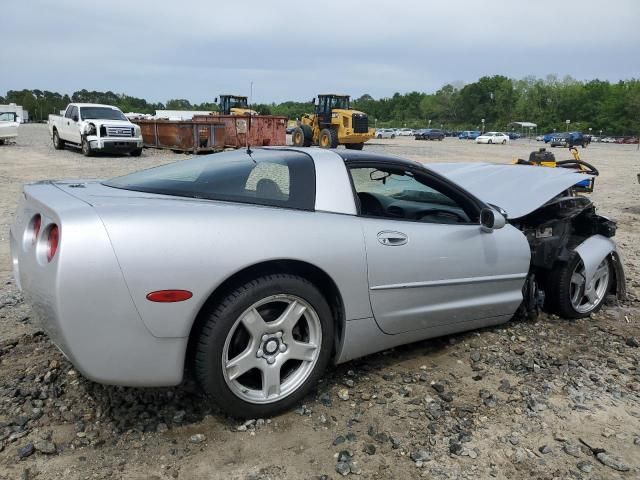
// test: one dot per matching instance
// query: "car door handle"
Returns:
(392, 239)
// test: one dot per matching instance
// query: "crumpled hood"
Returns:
(517, 189)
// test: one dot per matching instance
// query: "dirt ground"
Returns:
(543, 399)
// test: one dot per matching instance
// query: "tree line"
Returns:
(613, 108)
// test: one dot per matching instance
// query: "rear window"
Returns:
(278, 178)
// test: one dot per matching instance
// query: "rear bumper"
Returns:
(82, 302)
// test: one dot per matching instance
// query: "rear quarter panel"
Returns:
(196, 245)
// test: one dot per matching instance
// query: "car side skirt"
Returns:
(364, 337)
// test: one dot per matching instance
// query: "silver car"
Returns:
(255, 270)
(385, 133)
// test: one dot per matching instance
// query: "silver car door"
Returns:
(427, 273)
(423, 275)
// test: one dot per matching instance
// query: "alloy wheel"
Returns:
(585, 298)
(272, 349)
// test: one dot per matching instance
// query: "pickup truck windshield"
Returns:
(101, 113)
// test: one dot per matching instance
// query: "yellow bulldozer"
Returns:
(333, 123)
(234, 105)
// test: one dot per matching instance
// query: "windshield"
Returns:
(101, 113)
(340, 102)
(266, 177)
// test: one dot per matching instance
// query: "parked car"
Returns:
(429, 134)
(404, 132)
(385, 133)
(493, 137)
(228, 264)
(569, 139)
(539, 138)
(608, 140)
(547, 137)
(513, 135)
(95, 128)
(469, 135)
(8, 126)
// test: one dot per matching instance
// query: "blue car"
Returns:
(469, 135)
(547, 137)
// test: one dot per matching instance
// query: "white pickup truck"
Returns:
(95, 128)
(8, 126)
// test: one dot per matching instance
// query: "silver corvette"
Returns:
(254, 270)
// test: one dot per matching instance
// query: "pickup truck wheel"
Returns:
(570, 296)
(86, 147)
(264, 346)
(57, 143)
(137, 152)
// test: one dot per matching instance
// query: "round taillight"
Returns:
(36, 223)
(53, 240)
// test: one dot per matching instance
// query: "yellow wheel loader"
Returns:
(333, 123)
(234, 105)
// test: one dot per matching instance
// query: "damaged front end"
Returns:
(563, 227)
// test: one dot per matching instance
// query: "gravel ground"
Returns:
(541, 399)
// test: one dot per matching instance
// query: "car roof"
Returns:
(94, 105)
(356, 156)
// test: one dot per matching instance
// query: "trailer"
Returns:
(213, 133)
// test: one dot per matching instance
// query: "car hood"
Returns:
(517, 189)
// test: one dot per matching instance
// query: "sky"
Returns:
(293, 50)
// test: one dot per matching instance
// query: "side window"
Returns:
(72, 112)
(67, 114)
(402, 195)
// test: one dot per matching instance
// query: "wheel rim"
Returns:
(272, 349)
(56, 140)
(85, 146)
(297, 140)
(585, 298)
(324, 140)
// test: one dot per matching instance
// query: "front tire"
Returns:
(86, 147)
(136, 153)
(328, 138)
(58, 144)
(568, 293)
(262, 348)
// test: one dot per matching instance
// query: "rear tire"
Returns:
(239, 346)
(354, 146)
(565, 294)
(58, 144)
(328, 138)
(504, 142)
(86, 147)
(490, 142)
(297, 137)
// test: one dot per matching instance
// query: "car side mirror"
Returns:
(215, 100)
(75, 118)
(313, 101)
(491, 220)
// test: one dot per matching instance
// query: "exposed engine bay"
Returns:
(554, 232)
